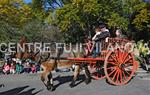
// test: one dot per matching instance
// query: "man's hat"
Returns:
(102, 26)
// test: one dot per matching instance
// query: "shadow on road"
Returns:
(18, 91)
(66, 79)
(145, 68)
(2, 85)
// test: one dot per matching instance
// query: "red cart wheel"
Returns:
(119, 67)
(97, 71)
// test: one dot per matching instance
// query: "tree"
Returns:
(13, 14)
(37, 31)
(79, 17)
(117, 21)
(74, 18)
(142, 17)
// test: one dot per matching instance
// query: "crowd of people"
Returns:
(17, 66)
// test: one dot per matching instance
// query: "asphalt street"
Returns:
(30, 84)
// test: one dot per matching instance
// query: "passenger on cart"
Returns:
(89, 47)
(119, 34)
(101, 34)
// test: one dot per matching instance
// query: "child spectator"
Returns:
(12, 68)
(19, 68)
(38, 68)
(28, 67)
(33, 68)
(6, 69)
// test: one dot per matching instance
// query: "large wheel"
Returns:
(97, 70)
(119, 67)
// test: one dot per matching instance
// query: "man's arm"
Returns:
(95, 36)
(103, 35)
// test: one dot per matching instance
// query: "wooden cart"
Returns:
(116, 62)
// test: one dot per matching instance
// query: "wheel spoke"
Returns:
(117, 79)
(113, 63)
(128, 65)
(121, 76)
(114, 58)
(98, 73)
(127, 72)
(125, 57)
(127, 60)
(124, 75)
(112, 72)
(120, 56)
(115, 75)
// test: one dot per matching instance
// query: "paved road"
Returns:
(29, 84)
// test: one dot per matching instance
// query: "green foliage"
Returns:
(8, 32)
(71, 21)
(66, 1)
(37, 31)
(15, 12)
(117, 21)
(142, 19)
(37, 5)
(80, 16)
(38, 9)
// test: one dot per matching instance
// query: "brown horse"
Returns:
(26, 54)
(60, 60)
(21, 55)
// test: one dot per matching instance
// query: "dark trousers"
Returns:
(97, 49)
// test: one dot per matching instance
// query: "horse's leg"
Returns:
(87, 73)
(50, 82)
(43, 77)
(76, 73)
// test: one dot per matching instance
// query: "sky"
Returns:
(27, 1)
(147, 0)
(54, 4)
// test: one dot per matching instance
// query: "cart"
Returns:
(116, 64)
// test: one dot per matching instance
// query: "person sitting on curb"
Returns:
(6, 68)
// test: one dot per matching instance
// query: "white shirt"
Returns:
(97, 33)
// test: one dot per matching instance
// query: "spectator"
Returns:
(28, 67)
(25, 67)
(19, 68)
(33, 68)
(12, 68)
(6, 69)
(38, 68)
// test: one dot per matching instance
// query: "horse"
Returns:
(59, 59)
(26, 54)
